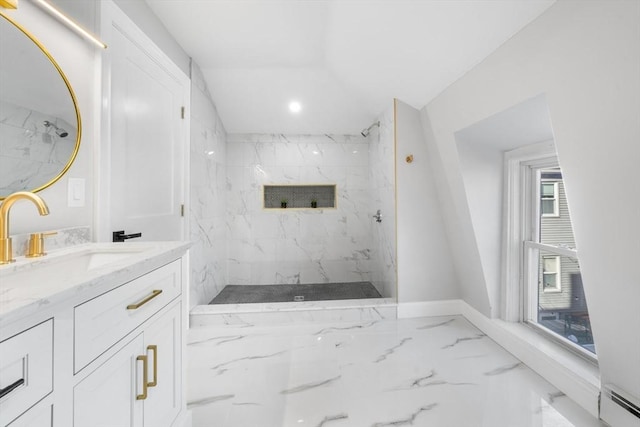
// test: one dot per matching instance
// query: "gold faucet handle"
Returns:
(36, 244)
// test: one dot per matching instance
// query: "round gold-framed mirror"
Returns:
(40, 125)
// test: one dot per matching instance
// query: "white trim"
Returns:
(573, 375)
(554, 249)
(515, 222)
(407, 310)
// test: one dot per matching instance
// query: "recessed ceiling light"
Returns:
(295, 107)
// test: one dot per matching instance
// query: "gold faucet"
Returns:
(6, 251)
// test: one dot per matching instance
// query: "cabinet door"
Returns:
(163, 343)
(40, 415)
(107, 397)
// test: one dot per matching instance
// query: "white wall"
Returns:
(455, 212)
(208, 181)
(425, 267)
(585, 56)
(481, 149)
(77, 58)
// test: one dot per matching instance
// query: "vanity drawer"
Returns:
(26, 370)
(101, 322)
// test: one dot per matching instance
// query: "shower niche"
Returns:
(299, 196)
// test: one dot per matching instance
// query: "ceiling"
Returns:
(343, 60)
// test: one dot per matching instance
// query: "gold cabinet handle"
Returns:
(137, 305)
(154, 349)
(143, 396)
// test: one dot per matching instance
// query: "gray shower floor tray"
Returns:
(240, 294)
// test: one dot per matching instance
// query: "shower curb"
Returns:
(293, 312)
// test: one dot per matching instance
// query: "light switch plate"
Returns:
(75, 193)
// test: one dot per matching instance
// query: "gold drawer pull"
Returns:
(143, 396)
(154, 348)
(137, 305)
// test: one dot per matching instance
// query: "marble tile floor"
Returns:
(436, 371)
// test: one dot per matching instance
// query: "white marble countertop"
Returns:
(27, 285)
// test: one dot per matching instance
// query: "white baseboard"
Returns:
(407, 310)
(571, 374)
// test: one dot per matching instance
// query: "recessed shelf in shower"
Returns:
(290, 196)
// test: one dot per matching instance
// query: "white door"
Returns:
(146, 129)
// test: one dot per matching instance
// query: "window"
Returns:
(542, 280)
(551, 273)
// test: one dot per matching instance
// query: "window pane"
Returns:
(562, 307)
(550, 281)
(547, 190)
(547, 206)
(550, 264)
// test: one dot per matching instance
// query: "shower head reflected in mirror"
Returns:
(59, 131)
(366, 131)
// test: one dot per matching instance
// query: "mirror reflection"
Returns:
(39, 121)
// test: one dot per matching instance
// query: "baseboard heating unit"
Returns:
(613, 400)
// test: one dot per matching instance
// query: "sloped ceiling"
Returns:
(343, 60)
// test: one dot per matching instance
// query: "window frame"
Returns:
(521, 236)
(517, 220)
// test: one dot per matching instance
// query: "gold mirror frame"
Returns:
(73, 99)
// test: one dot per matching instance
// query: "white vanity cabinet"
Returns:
(140, 384)
(26, 370)
(106, 352)
(117, 393)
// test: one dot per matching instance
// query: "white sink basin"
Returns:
(67, 264)
(96, 258)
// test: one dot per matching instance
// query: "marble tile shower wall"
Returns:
(382, 182)
(277, 246)
(208, 230)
